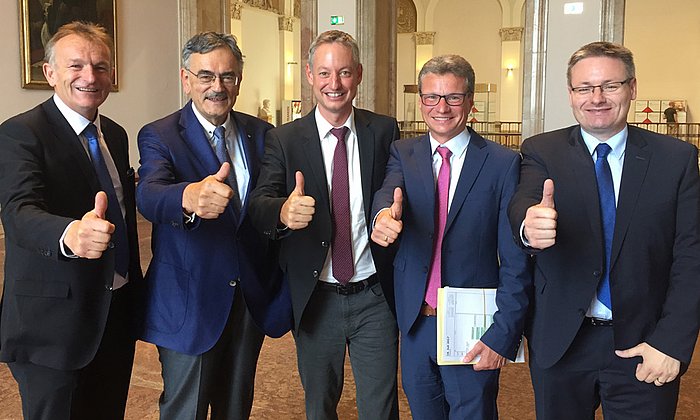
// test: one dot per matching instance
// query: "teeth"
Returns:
(334, 94)
(86, 89)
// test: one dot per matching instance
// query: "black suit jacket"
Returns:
(54, 308)
(655, 263)
(297, 147)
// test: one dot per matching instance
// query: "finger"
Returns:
(223, 172)
(299, 183)
(626, 354)
(100, 204)
(548, 194)
(397, 205)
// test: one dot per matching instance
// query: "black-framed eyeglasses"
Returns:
(207, 78)
(452, 99)
(609, 87)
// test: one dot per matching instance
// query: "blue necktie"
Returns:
(114, 213)
(606, 194)
(222, 154)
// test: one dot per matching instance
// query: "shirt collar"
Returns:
(76, 121)
(324, 127)
(209, 127)
(617, 142)
(457, 144)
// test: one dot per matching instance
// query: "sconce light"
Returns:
(509, 70)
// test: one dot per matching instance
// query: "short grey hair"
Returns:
(205, 42)
(89, 31)
(602, 49)
(449, 64)
(340, 37)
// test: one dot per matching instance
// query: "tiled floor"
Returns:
(278, 392)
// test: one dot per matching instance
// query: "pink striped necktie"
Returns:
(441, 200)
(341, 239)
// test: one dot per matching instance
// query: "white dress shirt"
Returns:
(362, 257)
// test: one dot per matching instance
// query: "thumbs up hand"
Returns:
(388, 224)
(297, 212)
(540, 225)
(209, 197)
(89, 237)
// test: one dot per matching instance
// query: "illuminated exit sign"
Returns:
(337, 20)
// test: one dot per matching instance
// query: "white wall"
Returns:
(665, 40)
(148, 66)
(405, 74)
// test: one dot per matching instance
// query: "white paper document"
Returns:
(463, 316)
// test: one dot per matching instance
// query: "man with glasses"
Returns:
(444, 200)
(212, 286)
(611, 214)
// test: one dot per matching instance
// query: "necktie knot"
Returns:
(602, 150)
(444, 152)
(90, 132)
(340, 133)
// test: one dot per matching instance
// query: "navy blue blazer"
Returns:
(477, 249)
(197, 268)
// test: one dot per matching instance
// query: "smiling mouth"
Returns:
(334, 94)
(87, 90)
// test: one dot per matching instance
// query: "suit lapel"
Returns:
(249, 153)
(64, 133)
(366, 144)
(586, 191)
(311, 143)
(634, 171)
(474, 159)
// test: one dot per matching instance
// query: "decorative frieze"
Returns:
(424, 38)
(236, 10)
(405, 17)
(286, 23)
(511, 34)
(261, 4)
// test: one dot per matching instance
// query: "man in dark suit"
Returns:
(612, 215)
(470, 246)
(67, 196)
(212, 287)
(314, 195)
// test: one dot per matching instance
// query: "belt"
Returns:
(350, 288)
(427, 310)
(598, 322)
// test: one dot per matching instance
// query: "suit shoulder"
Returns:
(109, 124)
(500, 150)
(248, 119)
(374, 118)
(661, 140)
(167, 122)
(26, 118)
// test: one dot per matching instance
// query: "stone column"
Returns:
(511, 74)
(424, 48)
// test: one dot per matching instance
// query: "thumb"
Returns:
(299, 186)
(397, 205)
(548, 194)
(633, 352)
(223, 172)
(100, 204)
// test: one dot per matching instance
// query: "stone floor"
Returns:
(278, 392)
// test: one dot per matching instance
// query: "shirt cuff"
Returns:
(188, 218)
(523, 239)
(374, 221)
(65, 251)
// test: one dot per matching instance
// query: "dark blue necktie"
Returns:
(606, 194)
(222, 154)
(114, 213)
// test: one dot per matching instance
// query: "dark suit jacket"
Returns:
(195, 270)
(655, 263)
(297, 147)
(54, 308)
(477, 249)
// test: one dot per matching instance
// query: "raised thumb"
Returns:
(223, 172)
(548, 194)
(299, 186)
(397, 205)
(100, 204)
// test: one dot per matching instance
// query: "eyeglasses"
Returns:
(609, 87)
(207, 78)
(452, 99)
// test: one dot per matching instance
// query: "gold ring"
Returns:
(386, 238)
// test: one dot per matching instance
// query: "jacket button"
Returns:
(596, 274)
(108, 288)
(316, 274)
(324, 244)
(111, 245)
(233, 283)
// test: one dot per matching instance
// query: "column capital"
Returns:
(424, 38)
(285, 23)
(514, 33)
(236, 8)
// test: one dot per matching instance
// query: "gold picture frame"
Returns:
(39, 19)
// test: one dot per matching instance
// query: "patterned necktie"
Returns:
(222, 154)
(441, 201)
(114, 213)
(341, 241)
(606, 194)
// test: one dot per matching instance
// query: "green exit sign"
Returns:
(337, 20)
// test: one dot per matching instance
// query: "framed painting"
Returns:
(40, 19)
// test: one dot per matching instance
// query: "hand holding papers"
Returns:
(463, 316)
